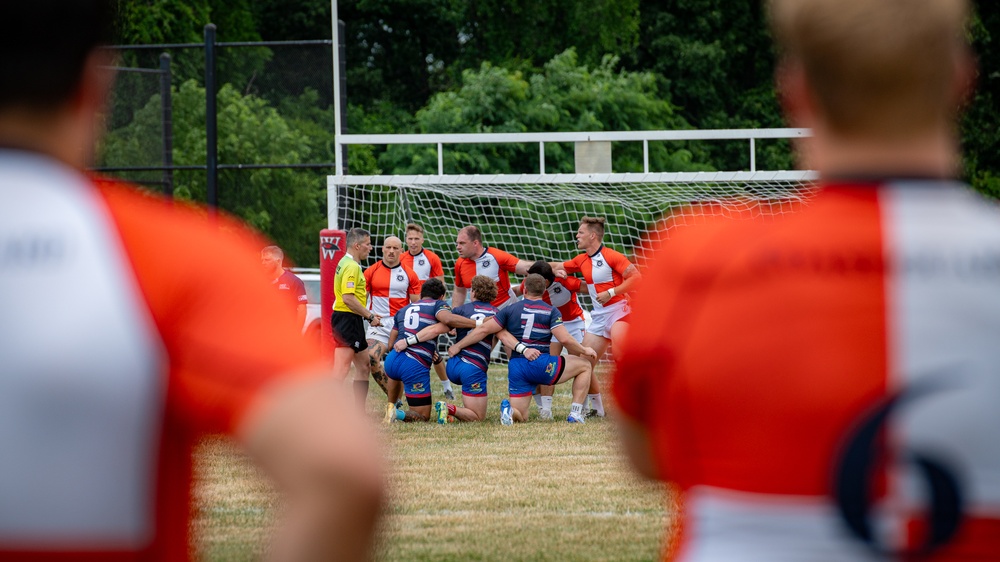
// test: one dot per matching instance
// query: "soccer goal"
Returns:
(535, 216)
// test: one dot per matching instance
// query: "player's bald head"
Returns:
(392, 249)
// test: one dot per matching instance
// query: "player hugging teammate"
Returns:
(534, 331)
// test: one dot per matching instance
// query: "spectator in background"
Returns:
(774, 365)
(165, 330)
(285, 282)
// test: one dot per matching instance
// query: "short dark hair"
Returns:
(44, 45)
(356, 235)
(433, 289)
(534, 285)
(544, 269)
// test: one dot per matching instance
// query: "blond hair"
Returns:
(883, 68)
(595, 224)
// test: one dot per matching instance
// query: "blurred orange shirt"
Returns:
(218, 335)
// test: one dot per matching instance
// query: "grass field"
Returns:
(544, 490)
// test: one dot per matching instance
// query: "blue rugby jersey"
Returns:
(531, 322)
(477, 354)
(414, 317)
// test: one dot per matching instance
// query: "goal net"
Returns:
(535, 217)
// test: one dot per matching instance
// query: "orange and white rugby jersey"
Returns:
(128, 329)
(763, 344)
(426, 264)
(562, 295)
(602, 270)
(493, 263)
(389, 288)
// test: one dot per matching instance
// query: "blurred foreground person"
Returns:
(823, 385)
(130, 328)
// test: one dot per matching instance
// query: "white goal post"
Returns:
(535, 216)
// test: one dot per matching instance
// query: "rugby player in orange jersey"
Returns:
(822, 385)
(131, 328)
(609, 276)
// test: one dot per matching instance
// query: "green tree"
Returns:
(980, 142)
(288, 205)
(564, 96)
(716, 63)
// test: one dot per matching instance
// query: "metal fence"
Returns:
(229, 124)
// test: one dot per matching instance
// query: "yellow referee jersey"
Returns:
(347, 280)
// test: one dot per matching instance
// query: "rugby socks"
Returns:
(576, 409)
(596, 404)
(545, 402)
(451, 409)
(537, 397)
(361, 392)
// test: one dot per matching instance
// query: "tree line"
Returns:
(462, 66)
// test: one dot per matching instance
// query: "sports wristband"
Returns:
(371, 318)
(520, 348)
(611, 291)
(412, 340)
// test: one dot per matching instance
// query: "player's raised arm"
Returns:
(521, 268)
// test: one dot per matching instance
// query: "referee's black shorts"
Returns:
(348, 330)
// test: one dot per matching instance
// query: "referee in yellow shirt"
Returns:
(350, 311)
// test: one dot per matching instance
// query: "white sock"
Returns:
(538, 399)
(546, 403)
(446, 384)
(576, 410)
(595, 403)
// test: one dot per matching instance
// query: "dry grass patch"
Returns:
(544, 490)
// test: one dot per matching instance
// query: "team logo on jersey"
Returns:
(487, 263)
(422, 262)
(549, 368)
(418, 387)
(599, 263)
(399, 277)
(476, 386)
(557, 290)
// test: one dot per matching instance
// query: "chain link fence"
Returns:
(272, 123)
